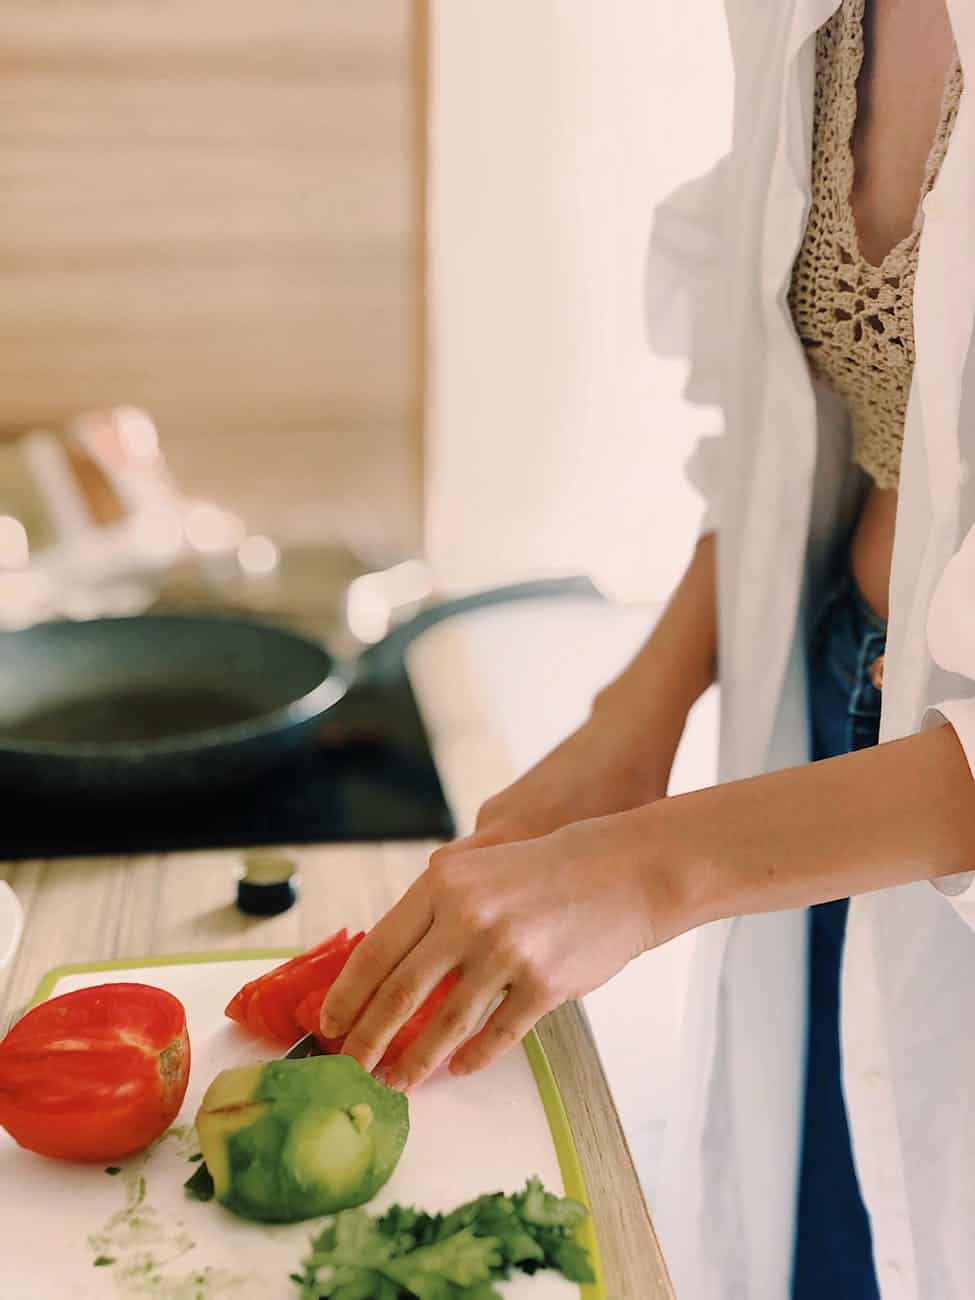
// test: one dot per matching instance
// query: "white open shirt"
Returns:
(779, 485)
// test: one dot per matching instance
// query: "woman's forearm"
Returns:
(898, 812)
(677, 663)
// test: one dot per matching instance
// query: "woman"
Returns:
(822, 280)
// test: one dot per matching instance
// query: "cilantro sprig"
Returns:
(407, 1254)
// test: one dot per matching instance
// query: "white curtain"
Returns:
(555, 438)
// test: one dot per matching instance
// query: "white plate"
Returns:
(11, 924)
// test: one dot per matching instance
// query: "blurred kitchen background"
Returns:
(373, 270)
(350, 291)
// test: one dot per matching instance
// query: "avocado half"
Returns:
(291, 1140)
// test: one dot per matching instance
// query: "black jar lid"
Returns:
(268, 884)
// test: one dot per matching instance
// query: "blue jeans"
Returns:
(833, 1258)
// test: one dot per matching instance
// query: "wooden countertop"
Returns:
(85, 910)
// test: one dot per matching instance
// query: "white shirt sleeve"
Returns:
(960, 715)
(686, 289)
(951, 640)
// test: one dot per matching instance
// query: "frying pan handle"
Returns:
(386, 656)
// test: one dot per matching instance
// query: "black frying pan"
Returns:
(174, 705)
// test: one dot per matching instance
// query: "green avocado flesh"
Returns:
(291, 1140)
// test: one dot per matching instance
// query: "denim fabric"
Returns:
(833, 1256)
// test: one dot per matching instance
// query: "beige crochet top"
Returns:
(855, 320)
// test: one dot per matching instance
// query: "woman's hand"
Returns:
(536, 922)
(550, 896)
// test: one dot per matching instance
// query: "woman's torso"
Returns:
(781, 490)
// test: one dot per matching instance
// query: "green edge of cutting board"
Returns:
(558, 1121)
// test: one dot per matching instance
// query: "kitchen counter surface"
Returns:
(85, 910)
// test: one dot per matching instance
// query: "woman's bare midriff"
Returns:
(872, 547)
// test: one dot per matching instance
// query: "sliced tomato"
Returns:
(96, 1074)
(308, 1015)
(268, 1004)
(236, 1008)
(272, 1007)
(309, 1011)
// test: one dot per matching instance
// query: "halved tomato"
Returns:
(96, 1074)
(266, 1006)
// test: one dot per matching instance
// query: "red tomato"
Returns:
(266, 1006)
(308, 1016)
(96, 1074)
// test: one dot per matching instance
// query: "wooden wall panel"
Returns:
(210, 209)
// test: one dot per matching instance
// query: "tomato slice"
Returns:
(96, 1074)
(236, 1008)
(309, 1010)
(287, 1001)
(268, 1003)
(308, 1018)
(273, 1003)
(308, 1015)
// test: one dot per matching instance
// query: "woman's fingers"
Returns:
(457, 1020)
(506, 1027)
(403, 991)
(375, 959)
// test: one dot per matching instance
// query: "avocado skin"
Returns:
(264, 1185)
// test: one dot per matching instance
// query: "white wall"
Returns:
(555, 439)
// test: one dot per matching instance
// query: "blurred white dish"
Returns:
(11, 923)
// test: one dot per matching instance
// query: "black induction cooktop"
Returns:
(371, 777)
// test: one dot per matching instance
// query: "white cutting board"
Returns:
(483, 1133)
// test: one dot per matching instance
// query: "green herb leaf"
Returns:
(200, 1185)
(407, 1254)
(565, 1254)
(113, 1170)
(537, 1206)
(461, 1259)
(353, 1241)
(102, 1261)
(360, 1284)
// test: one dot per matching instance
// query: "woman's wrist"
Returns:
(671, 872)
